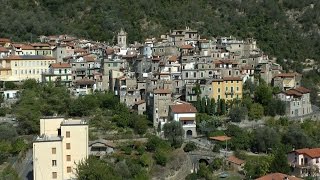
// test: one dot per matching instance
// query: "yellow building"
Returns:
(61, 145)
(19, 68)
(228, 88)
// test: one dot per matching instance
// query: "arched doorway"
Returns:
(189, 134)
(204, 161)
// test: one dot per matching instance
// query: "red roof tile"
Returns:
(140, 102)
(188, 46)
(3, 49)
(183, 108)
(235, 160)
(313, 153)
(232, 79)
(161, 91)
(292, 92)
(302, 90)
(5, 40)
(220, 138)
(88, 58)
(173, 58)
(60, 65)
(277, 176)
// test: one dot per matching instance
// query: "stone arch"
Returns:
(204, 161)
(189, 133)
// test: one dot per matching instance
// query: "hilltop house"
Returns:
(305, 161)
(185, 113)
(297, 101)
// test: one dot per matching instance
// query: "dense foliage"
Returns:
(286, 29)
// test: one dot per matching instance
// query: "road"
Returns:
(24, 167)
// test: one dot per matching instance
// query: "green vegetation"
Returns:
(174, 133)
(104, 109)
(267, 21)
(190, 146)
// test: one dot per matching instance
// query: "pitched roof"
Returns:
(85, 81)
(161, 91)
(302, 90)
(292, 92)
(220, 138)
(88, 58)
(183, 108)
(5, 40)
(277, 176)
(173, 58)
(232, 78)
(23, 46)
(313, 153)
(60, 65)
(188, 46)
(3, 49)
(235, 160)
(40, 45)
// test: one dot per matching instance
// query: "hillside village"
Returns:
(173, 77)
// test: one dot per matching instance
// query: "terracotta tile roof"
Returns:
(88, 58)
(60, 65)
(220, 138)
(40, 45)
(187, 118)
(80, 50)
(292, 92)
(23, 46)
(156, 59)
(183, 108)
(6, 40)
(277, 176)
(109, 51)
(3, 49)
(85, 81)
(173, 58)
(162, 91)
(188, 46)
(302, 90)
(235, 160)
(313, 153)
(140, 102)
(232, 79)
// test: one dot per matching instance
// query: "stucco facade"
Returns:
(61, 145)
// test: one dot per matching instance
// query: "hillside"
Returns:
(284, 28)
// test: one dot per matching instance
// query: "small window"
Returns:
(68, 146)
(68, 157)
(54, 162)
(54, 150)
(68, 169)
(68, 134)
(54, 175)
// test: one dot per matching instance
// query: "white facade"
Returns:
(61, 145)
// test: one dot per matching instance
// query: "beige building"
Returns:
(19, 68)
(61, 145)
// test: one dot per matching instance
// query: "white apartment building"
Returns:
(62, 144)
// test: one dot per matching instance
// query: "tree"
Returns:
(190, 146)
(216, 164)
(297, 138)
(241, 139)
(238, 113)
(174, 132)
(256, 111)
(93, 168)
(280, 162)
(9, 173)
(161, 157)
(10, 85)
(257, 167)
(263, 94)
(265, 139)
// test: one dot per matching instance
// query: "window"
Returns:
(59, 71)
(54, 162)
(68, 146)
(54, 175)
(194, 74)
(317, 160)
(68, 157)
(54, 150)
(218, 96)
(68, 134)
(68, 169)
(218, 90)
(237, 88)
(186, 74)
